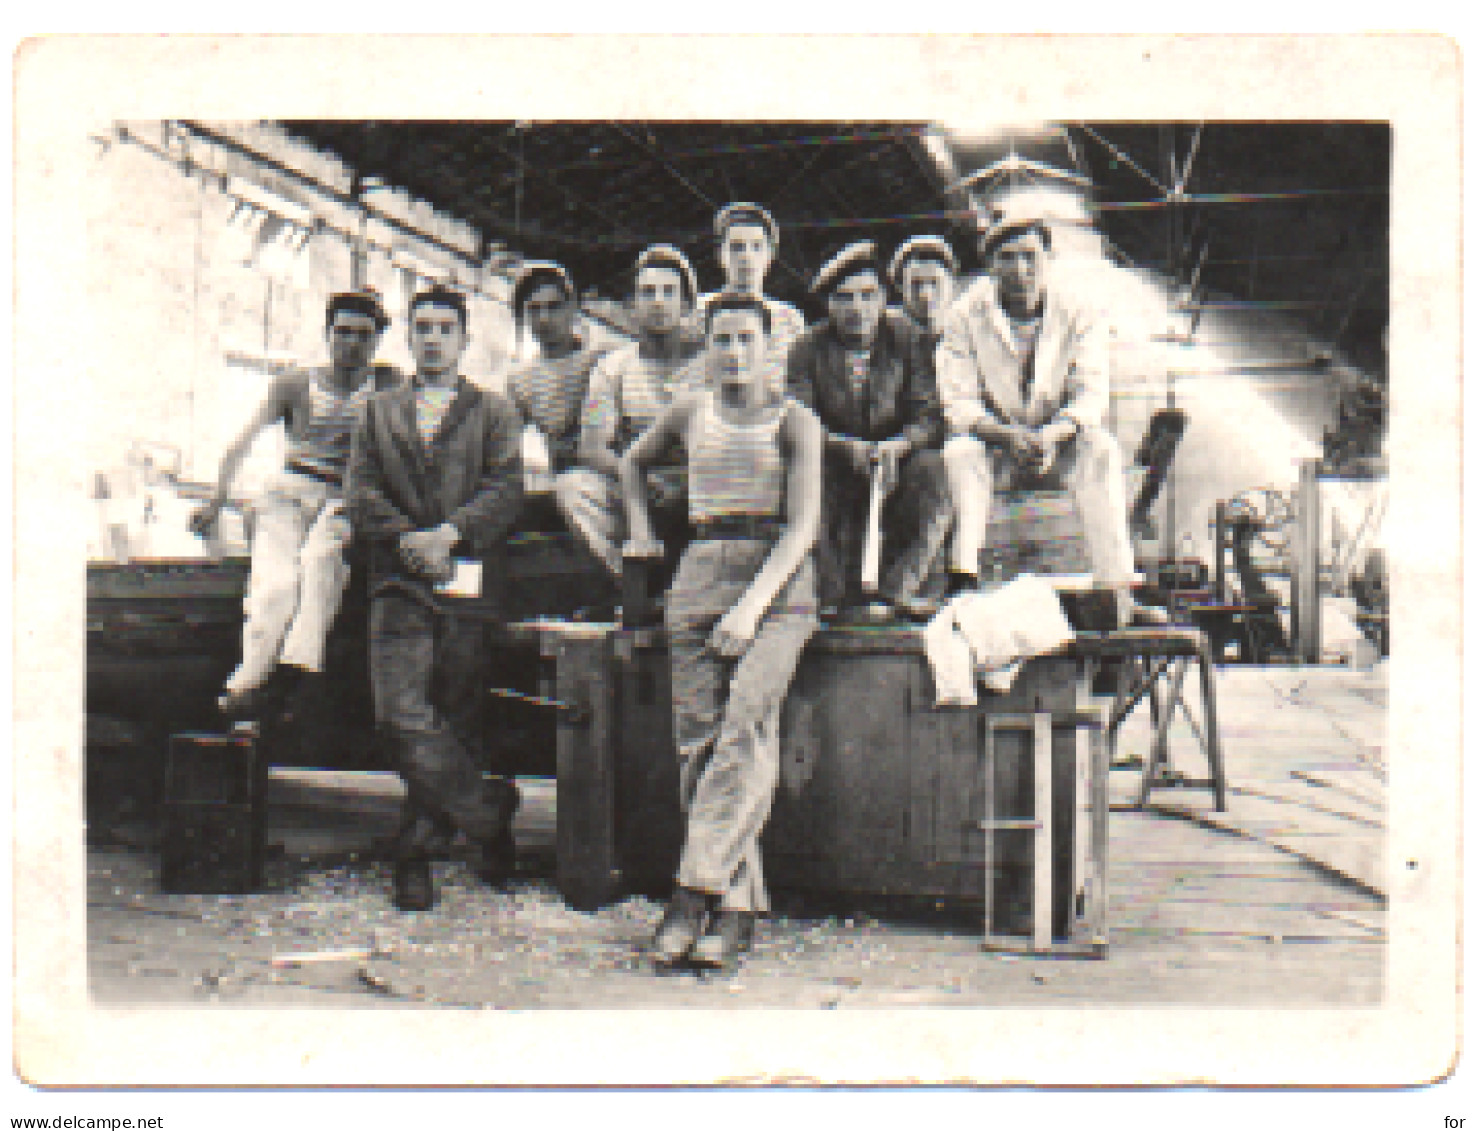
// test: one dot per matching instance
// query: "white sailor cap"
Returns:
(996, 226)
(668, 256)
(849, 260)
(745, 212)
(933, 248)
(531, 273)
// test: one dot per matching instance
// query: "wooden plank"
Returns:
(991, 813)
(1353, 779)
(649, 827)
(1043, 905)
(588, 873)
(1098, 875)
(1318, 800)
(1341, 846)
(927, 730)
(1284, 922)
(857, 802)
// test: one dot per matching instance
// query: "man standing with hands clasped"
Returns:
(435, 483)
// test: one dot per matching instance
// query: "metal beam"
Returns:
(653, 149)
(736, 149)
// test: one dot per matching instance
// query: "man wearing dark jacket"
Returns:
(870, 381)
(434, 484)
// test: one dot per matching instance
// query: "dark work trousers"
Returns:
(917, 519)
(726, 713)
(429, 673)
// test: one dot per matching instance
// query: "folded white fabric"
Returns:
(988, 636)
(951, 660)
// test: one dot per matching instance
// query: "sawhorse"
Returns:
(1155, 664)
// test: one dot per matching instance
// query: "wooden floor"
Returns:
(1306, 749)
(1275, 902)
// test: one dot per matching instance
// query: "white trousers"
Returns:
(1088, 467)
(298, 575)
(594, 508)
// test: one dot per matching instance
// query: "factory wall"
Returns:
(211, 254)
(1256, 396)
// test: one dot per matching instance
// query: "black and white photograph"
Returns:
(552, 571)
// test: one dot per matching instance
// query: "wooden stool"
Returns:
(214, 813)
(1155, 664)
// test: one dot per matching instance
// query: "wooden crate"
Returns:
(214, 814)
(161, 638)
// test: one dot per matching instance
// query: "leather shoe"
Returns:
(289, 687)
(961, 582)
(1130, 614)
(499, 863)
(865, 615)
(415, 890)
(730, 937)
(916, 608)
(1148, 616)
(681, 926)
(246, 705)
(499, 859)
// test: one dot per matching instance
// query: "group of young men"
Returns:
(928, 408)
(925, 411)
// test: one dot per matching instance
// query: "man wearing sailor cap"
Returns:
(1022, 373)
(924, 270)
(748, 240)
(869, 379)
(550, 390)
(628, 389)
(299, 567)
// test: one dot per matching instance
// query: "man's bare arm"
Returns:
(649, 448)
(277, 406)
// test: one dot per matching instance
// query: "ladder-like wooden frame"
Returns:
(1086, 934)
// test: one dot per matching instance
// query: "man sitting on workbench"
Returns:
(298, 566)
(550, 390)
(1022, 372)
(870, 381)
(628, 389)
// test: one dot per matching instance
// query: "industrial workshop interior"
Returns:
(894, 564)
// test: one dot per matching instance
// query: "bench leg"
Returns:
(1212, 729)
(1137, 680)
(1120, 707)
(1163, 710)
